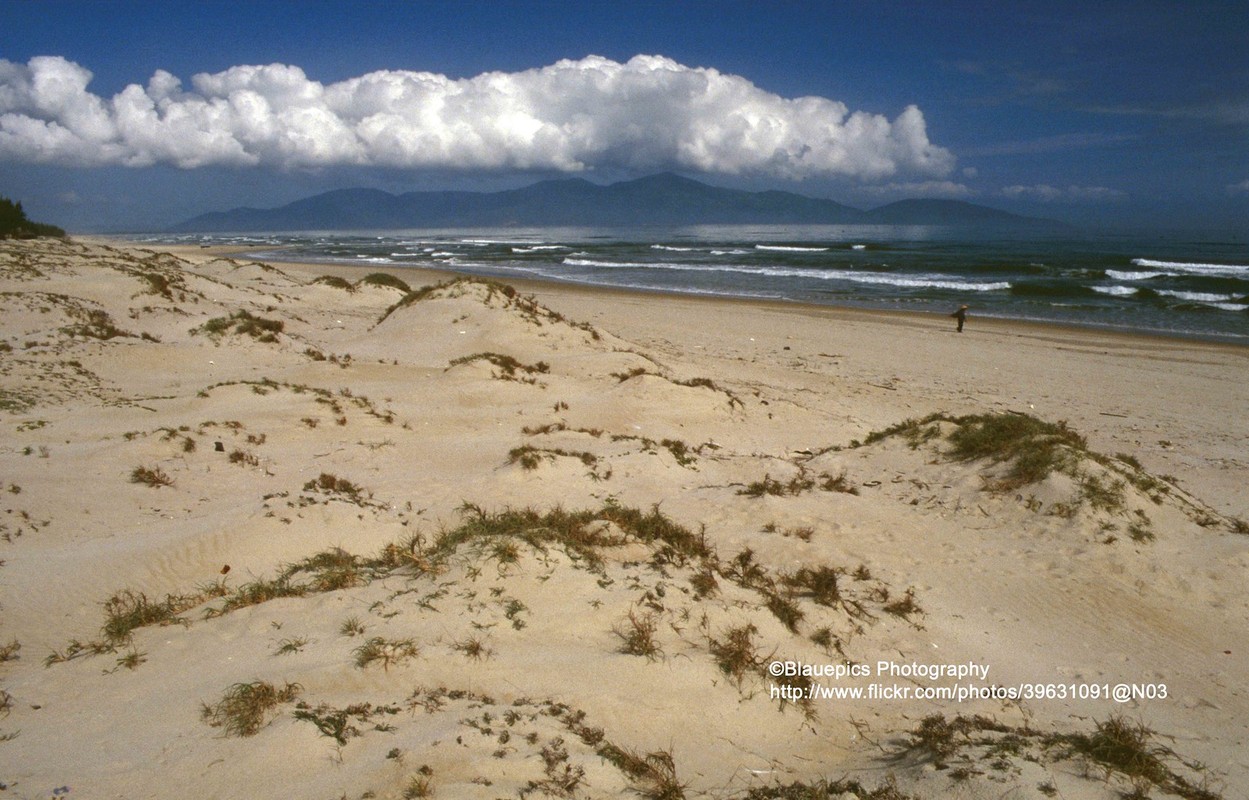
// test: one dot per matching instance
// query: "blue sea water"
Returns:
(1187, 285)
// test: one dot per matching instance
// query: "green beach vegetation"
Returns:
(15, 225)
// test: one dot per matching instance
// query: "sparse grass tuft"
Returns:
(244, 706)
(735, 653)
(784, 609)
(637, 635)
(387, 652)
(131, 660)
(1102, 494)
(819, 584)
(243, 458)
(291, 645)
(837, 483)
(327, 483)
(154, 477)
(473, 648)
(770, 486)
(903, 607)
(419, 786)
(939, 738)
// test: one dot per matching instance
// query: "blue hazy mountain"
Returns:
(664, 199)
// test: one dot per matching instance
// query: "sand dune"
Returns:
(290, 532)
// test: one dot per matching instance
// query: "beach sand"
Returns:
(474, 542)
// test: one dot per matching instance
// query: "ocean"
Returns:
(1181, 285)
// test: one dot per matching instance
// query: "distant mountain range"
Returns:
(664, 199)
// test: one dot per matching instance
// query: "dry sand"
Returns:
(548, 543)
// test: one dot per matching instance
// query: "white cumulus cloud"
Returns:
(648, 113)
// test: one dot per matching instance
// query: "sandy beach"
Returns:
(307, 531)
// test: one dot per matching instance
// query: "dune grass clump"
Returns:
(825, 790)
(691, 383)
(98, 325)
(243, 458)
(1033, 450)
(242, 710)
(655, 774)
(1034, 447)
(336, 723)
(508, 366)
(680, 451)
(384, 279)
(1131, 750)
(493, 288)
(244, 323)
(128, 610)
(819, 584)
(328, 483)
(328, 571)
(525, 305)
(259, 591)
(335, 282)
(798, 484)
(572, 531)
(1124, 747)
(1125, 750)
(161, 284)
(530, 457)
(580, 534)
(331, 570)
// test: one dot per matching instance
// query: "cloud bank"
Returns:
(1068, 194)
(649, 113)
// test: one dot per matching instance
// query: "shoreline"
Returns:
(1000, 325)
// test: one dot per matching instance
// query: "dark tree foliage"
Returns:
(14, 224)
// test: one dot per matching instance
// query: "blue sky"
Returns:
(135, 115)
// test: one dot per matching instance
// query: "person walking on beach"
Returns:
(961, 316)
